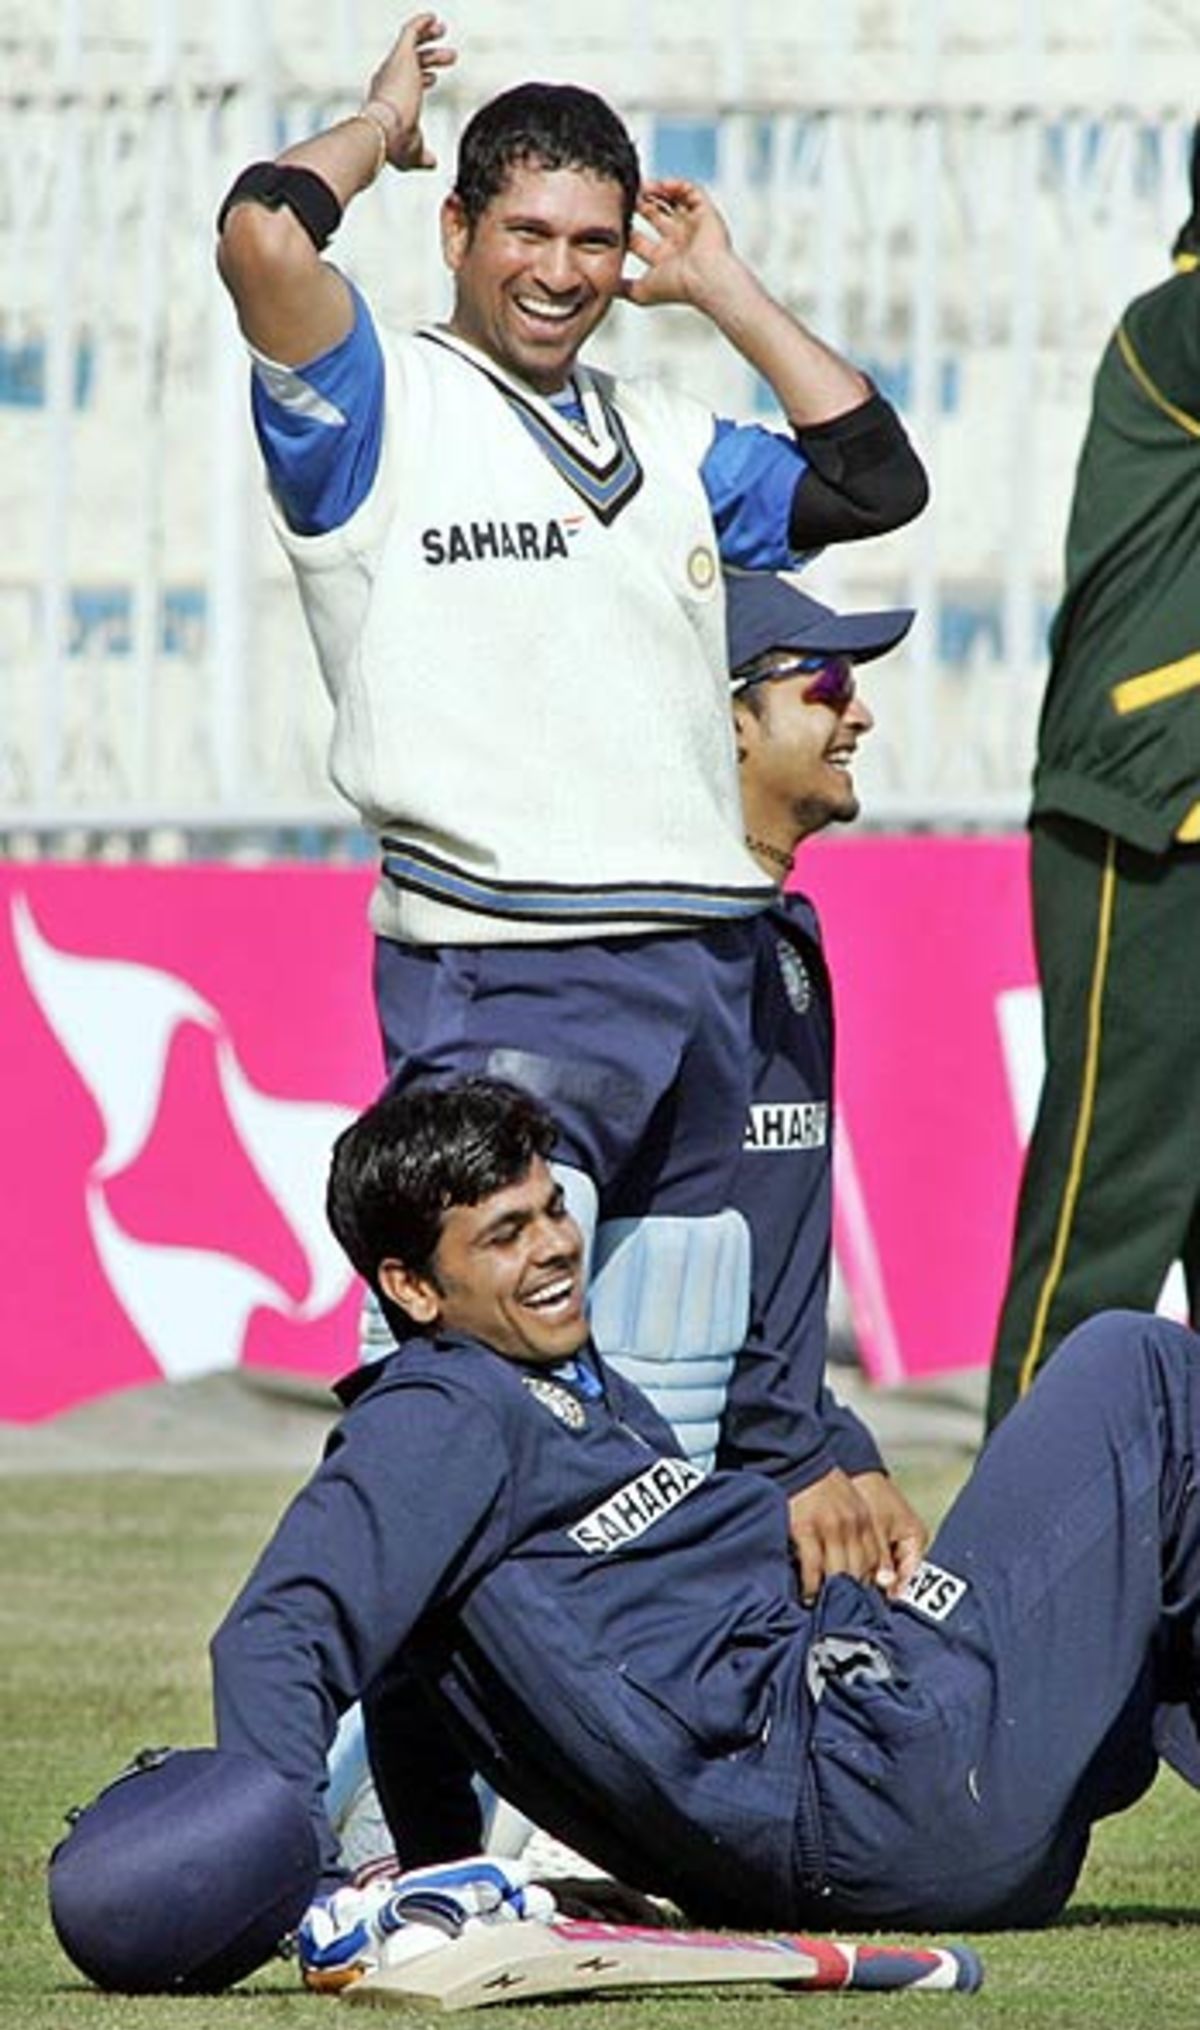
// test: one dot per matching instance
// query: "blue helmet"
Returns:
(185, 1873)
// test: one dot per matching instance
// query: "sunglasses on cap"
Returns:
(831, 678)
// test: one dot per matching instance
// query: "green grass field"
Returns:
(112, 1584)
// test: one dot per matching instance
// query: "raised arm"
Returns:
(863, 476)
(291, 304)
(689, 258)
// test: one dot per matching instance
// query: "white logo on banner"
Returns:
(116, 1020)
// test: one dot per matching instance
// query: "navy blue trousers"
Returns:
(640, 1047)
(964, 1791)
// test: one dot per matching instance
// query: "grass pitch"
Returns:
(112, 1583)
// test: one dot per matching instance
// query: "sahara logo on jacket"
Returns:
(773, 1126)
(631, 1510)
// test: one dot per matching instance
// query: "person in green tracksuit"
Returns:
(1110, 1195)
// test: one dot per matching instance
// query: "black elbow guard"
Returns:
(307, 196)
(863, 478)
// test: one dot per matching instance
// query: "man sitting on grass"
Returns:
(618, 1636)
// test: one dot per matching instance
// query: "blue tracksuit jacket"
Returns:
(618, 1639)
(781, 1417)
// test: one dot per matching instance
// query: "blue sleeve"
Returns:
(773, 1425)
(320, 427)
(750, 476)
(391, 1517)
(768, 1425)
(779, 1416)
(854, 1448)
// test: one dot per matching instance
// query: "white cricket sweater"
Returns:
(523, 637)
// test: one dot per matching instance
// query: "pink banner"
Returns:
(180, 1046)
(938, 1067)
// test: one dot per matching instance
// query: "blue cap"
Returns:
(764, 610)
(184, 1874)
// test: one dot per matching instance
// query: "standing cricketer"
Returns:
(510, 566)
(1110, 1195)
(799, 719)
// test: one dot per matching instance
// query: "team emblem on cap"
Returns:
(701, 567)
(794, 974)
(559, 1401)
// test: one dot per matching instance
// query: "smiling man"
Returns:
(448, 1207)
(536, 270)
(508, 1272)
(799, 719)
(510, 566)
(616, 1634)
(797, 712)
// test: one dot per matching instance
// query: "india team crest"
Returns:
(559, 1401)
(701, 567)
(794, 974)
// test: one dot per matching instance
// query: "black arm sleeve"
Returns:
(863, 478)
(307, 196)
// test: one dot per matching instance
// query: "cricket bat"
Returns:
(574, 1956)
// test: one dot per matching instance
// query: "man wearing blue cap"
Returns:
(798, 721)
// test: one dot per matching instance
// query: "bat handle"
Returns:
(955, 1967)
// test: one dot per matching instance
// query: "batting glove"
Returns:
(357, 1930)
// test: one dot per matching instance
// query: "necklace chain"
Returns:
(772, 853)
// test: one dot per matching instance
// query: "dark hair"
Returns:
(416, 1152)
(555, 126)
